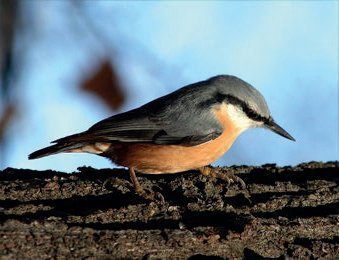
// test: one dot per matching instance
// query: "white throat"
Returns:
(240, 119)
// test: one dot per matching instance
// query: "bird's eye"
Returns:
(220, 97)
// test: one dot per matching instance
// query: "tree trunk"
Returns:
(283, 212)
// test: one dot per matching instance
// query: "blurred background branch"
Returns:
(9, 10)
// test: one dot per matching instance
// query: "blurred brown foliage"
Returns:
(7, 115)
(8, 23)
(105, 84)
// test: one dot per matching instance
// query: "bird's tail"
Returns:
(57, 148)
(77, 143)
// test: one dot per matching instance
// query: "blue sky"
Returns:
(288, 50)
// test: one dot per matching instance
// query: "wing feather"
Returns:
(177, 118)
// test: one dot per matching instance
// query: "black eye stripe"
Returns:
(248, 111)
(219, 98)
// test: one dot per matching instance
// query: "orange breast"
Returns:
(156, 159)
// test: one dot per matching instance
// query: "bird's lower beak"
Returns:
(273, 126)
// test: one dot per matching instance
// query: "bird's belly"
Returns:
(157, 159)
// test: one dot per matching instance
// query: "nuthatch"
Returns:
(184, 130)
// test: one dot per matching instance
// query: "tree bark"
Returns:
(283, 212)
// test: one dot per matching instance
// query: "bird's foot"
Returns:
(147, 194)
(222, 174)
(124, 187)
(151, 195)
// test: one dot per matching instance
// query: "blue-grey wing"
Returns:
(178, 118)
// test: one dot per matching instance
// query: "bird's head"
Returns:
(246, 107)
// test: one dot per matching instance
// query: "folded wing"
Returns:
(174, 119)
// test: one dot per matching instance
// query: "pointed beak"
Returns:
(273, 126)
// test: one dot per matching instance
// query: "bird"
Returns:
(187, 129)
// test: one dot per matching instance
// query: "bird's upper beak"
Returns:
(273, 126)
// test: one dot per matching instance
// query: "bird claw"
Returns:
(147, 194)
(223, 175)
(150, 195)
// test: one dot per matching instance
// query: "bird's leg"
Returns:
(148, 194)
(226, 176)
(136, 184)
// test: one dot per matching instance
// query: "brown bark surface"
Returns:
(285, 212)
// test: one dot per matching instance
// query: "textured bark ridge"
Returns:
(285, 212)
